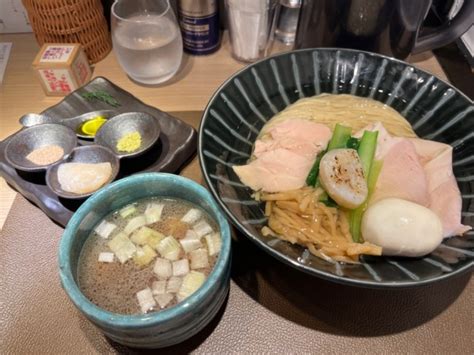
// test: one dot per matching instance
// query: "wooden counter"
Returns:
(190, 90)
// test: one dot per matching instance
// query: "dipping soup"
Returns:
(148, 256)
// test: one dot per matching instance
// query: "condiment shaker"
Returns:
(287, 22)
(199, 22)
(251, 27)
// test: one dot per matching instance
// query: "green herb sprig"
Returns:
(102, 96)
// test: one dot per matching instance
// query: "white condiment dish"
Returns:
(92, 154)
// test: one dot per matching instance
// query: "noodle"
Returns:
(268, 208)
(348, 110)
(297, 217)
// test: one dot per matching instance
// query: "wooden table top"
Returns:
(190, 90)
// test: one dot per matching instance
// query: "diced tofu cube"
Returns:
(169, 248)
(134, 223)
(105, 229)
(173, 285)
(190, 284)
(162, 269)
(192, 216)
(199, 259)
(158, 287)
(106, 257)
(153, 212)
(164, 299)
(144, 255)
(214, 243)
(202, 228)
(146, 300)
(180, 267)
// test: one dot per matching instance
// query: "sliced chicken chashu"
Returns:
(444, 192)
(402, 175)
(274, 171)
(284, 156)
(300, 136)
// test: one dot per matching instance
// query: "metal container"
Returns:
(199, 22)
(115, 128)
(287, 21)
(29, 139)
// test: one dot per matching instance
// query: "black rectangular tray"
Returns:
(176, 145)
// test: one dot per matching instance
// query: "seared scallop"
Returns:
(342, 176)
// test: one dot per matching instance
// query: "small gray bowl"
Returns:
(29, 139)
(115, 128)
(85, 154)
(33, 119)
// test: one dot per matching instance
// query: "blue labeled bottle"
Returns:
(199, 22)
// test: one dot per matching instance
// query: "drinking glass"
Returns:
(251, 27)
(146, 39)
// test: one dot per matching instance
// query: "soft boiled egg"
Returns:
(402, 227)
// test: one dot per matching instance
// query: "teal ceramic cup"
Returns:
(166, 327)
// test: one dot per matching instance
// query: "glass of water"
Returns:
(146, 39)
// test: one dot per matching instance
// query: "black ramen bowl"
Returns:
(242, 105)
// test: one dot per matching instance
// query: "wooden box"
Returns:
(62, 68)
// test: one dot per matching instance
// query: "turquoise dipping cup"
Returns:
(167, 327)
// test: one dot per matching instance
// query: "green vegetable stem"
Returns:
(340, 137)
(366, 150)
(372, 168)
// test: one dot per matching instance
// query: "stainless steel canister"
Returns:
(199, 22)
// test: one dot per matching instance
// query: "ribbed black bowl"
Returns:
(240, 107)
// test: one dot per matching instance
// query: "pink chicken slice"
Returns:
(402, 175)
(420, 171)
(274, 171)
(300, 136)
(285, 156)
(446, 199)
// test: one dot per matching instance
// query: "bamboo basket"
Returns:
(71, 21)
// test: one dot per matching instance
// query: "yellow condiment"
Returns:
(130, 142)
(90, 127)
